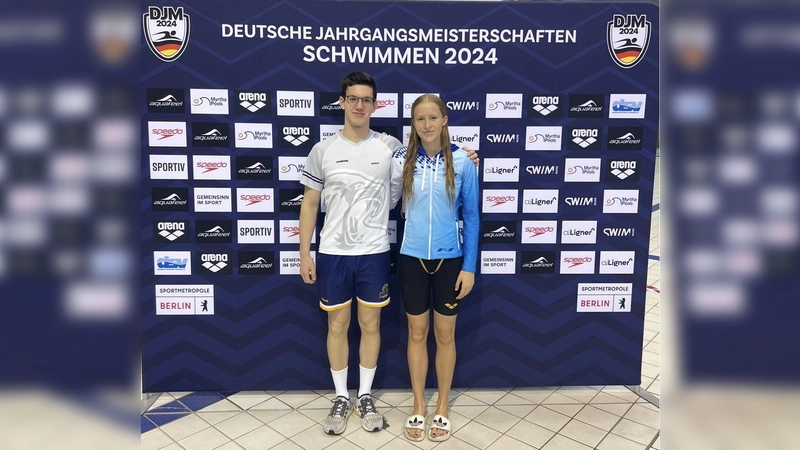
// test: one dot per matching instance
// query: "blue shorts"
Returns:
(342, 278)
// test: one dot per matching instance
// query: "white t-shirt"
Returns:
(355, 181)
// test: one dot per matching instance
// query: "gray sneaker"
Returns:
(336, 421)
(371, 420)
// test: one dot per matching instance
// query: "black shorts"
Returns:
(417, 284)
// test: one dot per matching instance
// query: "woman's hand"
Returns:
(464, 283)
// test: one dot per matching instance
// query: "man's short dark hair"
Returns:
(359, 78)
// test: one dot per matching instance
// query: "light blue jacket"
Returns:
(431, 230)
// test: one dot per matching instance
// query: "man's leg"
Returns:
(338, 349)
(369, 320)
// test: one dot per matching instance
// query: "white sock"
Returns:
(365, 380)
(340, 383)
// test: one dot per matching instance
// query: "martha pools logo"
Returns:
(166, 30)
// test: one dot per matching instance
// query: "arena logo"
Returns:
(171, 231)
(166, 31)
(544, 106)
(295, 136)
(252, 102)
(584, 139)
(215, 263)
(622, 170)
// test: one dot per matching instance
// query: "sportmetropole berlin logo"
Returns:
(166, 30)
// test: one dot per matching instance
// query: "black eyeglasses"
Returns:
(353, 100)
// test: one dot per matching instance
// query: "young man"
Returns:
(354, 168)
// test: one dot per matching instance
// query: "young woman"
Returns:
(439, 182)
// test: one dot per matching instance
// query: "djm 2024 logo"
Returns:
(628, 38)
(166, 30)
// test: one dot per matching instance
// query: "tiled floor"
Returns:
(549, 418)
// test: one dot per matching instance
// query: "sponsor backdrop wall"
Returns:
(560, 100)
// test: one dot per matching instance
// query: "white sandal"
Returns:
(415, 422)
(440, 422)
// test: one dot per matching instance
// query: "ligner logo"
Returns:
(166, 30)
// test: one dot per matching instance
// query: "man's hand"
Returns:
(464, 283)
(473, 155)
(308, 270)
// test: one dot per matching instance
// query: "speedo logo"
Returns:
(211, 166)
(252, 199)
(499, 200)
(573, 262)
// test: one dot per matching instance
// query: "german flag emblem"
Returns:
(628, 38)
